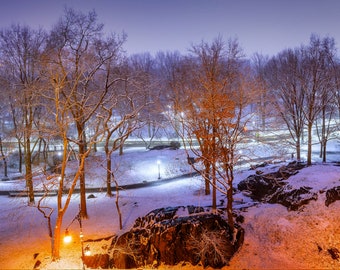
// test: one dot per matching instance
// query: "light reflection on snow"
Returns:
(274, 236)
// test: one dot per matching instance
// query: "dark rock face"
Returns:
(260, 186)
(97, 261)
(164, 237)
(293, 199)
(272, 188)
(332, 195)
(334, 252)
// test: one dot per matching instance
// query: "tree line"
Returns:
(76, 85)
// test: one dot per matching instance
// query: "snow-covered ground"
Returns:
(274, 237)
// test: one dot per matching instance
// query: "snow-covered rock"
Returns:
(273, 188)
(171, 235)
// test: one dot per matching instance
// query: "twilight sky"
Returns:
(264, 26)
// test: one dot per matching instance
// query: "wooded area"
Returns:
(74, 86)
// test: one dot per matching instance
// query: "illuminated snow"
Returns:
(274, 238)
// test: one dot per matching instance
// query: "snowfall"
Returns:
(275, 238)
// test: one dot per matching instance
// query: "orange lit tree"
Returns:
(79, 52)
(213, 114)
(76, 58)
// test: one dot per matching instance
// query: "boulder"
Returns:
(163, 236)
(293, 199)
(259, 187)
(97, 261)
(332, 195)
(272, 188)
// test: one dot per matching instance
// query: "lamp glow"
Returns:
(67, 237)
(87, 251)
(159, 169)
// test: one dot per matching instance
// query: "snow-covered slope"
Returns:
(274, 237)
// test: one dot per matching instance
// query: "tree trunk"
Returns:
(20, 156)
(321, 149)
(121, 149)
(324, 135)
(309, 147)
(82, 185)
(214, 204)
(3, 158)
(324, 151)
(45, 152)
(206, 177)
(230, 205)
(29, 172)
(108, 175)
(263, 114)
(39, 151)
(298, 149)
(82, 182)
(117, 203)
(57, 237)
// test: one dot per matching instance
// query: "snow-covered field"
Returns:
(274, 237)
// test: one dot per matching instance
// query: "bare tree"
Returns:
(75, 61)
(58, 180)
(336, 90)
(302, 80)
(283, 74)
(21, 49)
(119, 115)
(143, 70)
(3, 119)
(79, 54)
(176, 73)
(324, 124)
(316, 63)
(264, 95)
(173, 72)
(3, 157)
(213, 114)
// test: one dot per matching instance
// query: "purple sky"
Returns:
(264, 26)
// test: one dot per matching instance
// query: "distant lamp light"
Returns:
(87, 251)
(67, 237)
(159, 169)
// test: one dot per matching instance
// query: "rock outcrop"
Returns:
(293, 199)
(272, 188)
(332, 195)
(172, 235)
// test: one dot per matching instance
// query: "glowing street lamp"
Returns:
(68, 237)
(159, 169)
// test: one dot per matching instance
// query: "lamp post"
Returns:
(81, 236)
(159, 169)
(68, 237)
